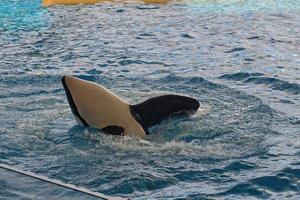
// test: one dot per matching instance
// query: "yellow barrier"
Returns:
(74, 2)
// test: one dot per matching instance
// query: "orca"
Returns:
(95, 106)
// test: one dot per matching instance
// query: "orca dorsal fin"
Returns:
(154, 110)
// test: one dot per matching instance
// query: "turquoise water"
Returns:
(240, 59)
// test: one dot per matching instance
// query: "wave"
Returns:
(260, 78)
(284, 180)
(239, 76)
(276, 84)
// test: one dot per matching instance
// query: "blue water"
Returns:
(240, 59)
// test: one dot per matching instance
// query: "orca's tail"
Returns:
(154, 110)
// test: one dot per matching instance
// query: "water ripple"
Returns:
(259, 78)
(239, 59)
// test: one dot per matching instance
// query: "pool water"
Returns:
(239, 58)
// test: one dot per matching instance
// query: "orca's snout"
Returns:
(69, 82)
(63, 78)
(63, 81)
(71, 101)
(67, 90)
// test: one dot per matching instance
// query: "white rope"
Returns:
(60, 183)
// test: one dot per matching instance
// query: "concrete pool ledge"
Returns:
(60, 183)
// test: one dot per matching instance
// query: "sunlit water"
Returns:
(240, 59)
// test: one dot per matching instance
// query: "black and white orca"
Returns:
(95, 106)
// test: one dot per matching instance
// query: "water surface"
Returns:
(240, 59)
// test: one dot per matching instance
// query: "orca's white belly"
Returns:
(100, 108)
